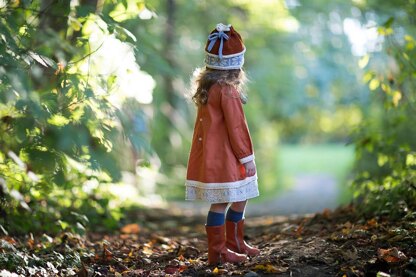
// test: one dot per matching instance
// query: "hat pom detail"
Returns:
(222, 27)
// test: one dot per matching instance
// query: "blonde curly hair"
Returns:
(204, 78)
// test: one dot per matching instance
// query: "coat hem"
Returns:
(224, 194)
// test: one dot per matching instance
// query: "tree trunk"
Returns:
(168, 51)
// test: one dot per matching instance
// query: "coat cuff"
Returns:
(247, 159)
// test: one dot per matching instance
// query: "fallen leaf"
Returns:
(133, 228)
(147, 251)
(346, 231)
(171, 269)
(107, 255)
(126, 236)
(372, 222)
(326, 213)
(351, 254)
(82, 272)
(192, 261)
(182, 268)
(391, 255)
(269, 268)
(138, 272)
(188, 252)
(219, 271)
(347, 225)
(30, 243)
(397, 238)
(10, 240)
(299, 230)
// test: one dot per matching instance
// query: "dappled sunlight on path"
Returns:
(309, 194)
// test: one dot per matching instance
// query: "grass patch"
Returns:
(335, 160)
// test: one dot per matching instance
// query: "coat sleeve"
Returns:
(236, 123)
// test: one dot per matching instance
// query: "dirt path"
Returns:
(309, 194)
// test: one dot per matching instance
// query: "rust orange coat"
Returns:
(221, 144)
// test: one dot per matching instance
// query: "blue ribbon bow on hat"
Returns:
(214, 37)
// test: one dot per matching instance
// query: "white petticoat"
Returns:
(222, 192)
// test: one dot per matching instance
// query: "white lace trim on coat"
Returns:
(233, 192)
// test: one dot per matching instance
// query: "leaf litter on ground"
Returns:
(159, 243)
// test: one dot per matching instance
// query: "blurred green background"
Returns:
(95, 113)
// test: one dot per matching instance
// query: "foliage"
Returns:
(44, 256)
(386, 140)
(58, 118)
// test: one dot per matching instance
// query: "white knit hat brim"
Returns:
(234, 61)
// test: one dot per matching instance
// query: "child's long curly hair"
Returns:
(204, 78)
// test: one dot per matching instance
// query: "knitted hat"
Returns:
(224, 49)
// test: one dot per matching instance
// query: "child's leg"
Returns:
(234, 226)
(217, 251)
(216, 214)
(236, 211)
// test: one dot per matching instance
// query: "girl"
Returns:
(221, 168)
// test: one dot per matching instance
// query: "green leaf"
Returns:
(408, 38)
(397, 95)
(122, 33)
(111, 80)
(43, 160)
(411, 159)
(363, 61)
(43, 60)
(388, 22)
(374, 84)
(368, 76)
(58, 120)
(74, 23)
(63, 224)
(382, 159)
(410, 45)
(81, 217)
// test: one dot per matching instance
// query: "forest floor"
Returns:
(161, 242)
